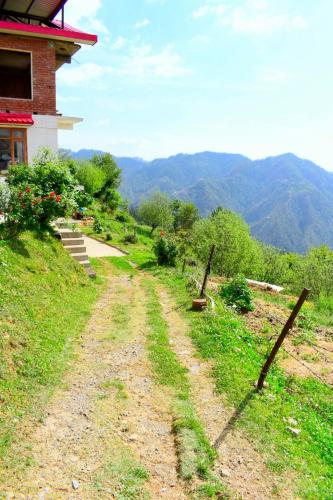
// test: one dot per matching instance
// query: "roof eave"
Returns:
(50, 33)
(57, 9)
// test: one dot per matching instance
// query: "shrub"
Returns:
(122, 217)
(166, 251)
(97, 226)
(238, 294)
(39, 193)
(130, 238)
(108, 236)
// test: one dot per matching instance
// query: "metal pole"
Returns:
(207, 273)
(288, 326)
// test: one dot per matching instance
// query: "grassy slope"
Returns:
(238, 355)
(45, 300)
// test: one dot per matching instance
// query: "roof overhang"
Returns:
(67, 122)
(33, 11)
(68, 34)
(15, 119)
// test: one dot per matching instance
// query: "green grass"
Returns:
(123, 479)
(238, 355)
(118, 385)
(45, 299)
(196, 456)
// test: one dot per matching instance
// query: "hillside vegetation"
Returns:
(46, 298)
(287, 201)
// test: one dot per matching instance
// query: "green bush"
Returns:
(237, 294)
(130, 238)
(97, 226)
(108, 237)
(166, 251)
(39, 194)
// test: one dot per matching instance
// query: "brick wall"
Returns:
(43, 74)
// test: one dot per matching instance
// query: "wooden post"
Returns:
(207, 273)
(288, 326)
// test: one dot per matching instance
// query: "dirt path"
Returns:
(240, 466)
(108, 431)
(111, 422)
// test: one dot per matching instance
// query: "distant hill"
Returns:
(287, 201)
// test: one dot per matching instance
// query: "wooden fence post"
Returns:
(207, 273)
(288, 326)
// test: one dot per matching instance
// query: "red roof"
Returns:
(16, 119)
(67, 34)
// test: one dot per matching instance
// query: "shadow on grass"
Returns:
(148, 265)
(234, 418)
(17, 246)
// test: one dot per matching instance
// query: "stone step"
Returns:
(79, 256)
(62, 225)
(77, 242)
(76, 249)
(68, 235)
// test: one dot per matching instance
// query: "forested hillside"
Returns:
(287, 201)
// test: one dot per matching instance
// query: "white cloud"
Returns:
(250, 17)
(273, 76)
(142, 61)
(206, 9)
(84, 12)
(142, 24)
(139, 61)
(77, 75)
(119, 43)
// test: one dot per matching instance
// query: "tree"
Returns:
(101, 179)
(91, 177)
(111, 172)
(185, 215)
(156, 211)
(275, 266)
(236, 252)
(315, 271)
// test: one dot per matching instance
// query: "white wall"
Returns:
(43, 133)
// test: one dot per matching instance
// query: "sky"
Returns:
(181, 76)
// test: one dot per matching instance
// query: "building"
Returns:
(34, 43)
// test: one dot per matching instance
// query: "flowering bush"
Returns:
(40, 193)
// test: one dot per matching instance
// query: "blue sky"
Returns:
(169, 76)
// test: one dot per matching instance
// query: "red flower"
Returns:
(52, 195)
(58, 198)
(28, 190)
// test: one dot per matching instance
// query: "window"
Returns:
(13, 147)
(15, 74)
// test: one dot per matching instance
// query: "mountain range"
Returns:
(286, 200)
